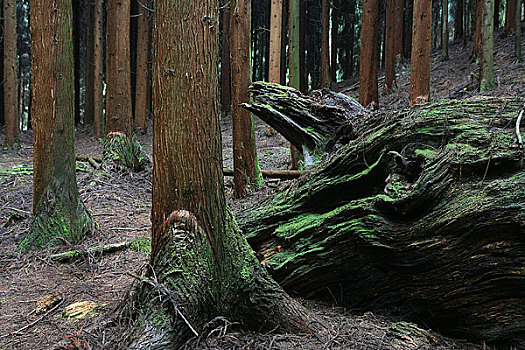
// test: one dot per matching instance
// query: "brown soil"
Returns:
(121, 203)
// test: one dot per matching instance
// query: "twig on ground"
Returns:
(518, 133)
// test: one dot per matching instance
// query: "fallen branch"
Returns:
(101, 249)
(518, 133)
(280, 174)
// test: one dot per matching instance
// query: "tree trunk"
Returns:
(487, 80)
(496, 14)
(368, 65)
(390, 74)
(201, 264)
(225, 61)
(444, 30)
(98, 68)
(12, 119)
(510, 17)
(90, 65)
(458, 20)
(303, 73)
(407, 28)
(348, 13)
(420, 67)
(141, 83)
(479, 27)
(336, 10)
(276, 13)
(247, 174)
(59, 213)
(517, 32)
(418, 213)
(77, 41)
(325, 44)
(118, 96)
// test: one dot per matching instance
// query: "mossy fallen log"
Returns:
(421, 214)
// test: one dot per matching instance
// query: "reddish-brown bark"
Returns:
(118, 96)
(421, 42)
(334, 39)
(458, 20)
(389, 45)
(368, 92)
(397, 30)
(141, 82)
(508, 28)
(225, 60)
(325, 50)
(276, 13)
(477, 36)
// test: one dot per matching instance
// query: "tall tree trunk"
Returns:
(487, 80)
(58, 212)
(118, 96)
(276, 13)
(98, 68)
(325, 44)
(458, 20)
(496, 14)
(398, 30)
(336, 10)
(12, 119)
(479, 27)
(284, 42)
(90, 64)
(77, 41)
(200, 261)
(303, 73)
(368, 92)
(390, 73)
(510, 17)
(517, 32)
(420, 67)
(247, 174)
(350, 23)
(141, 82)
(407, 28)
(444, 30)
(225, 61)
(294, 60)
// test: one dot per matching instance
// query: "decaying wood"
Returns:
(421, 213)
(79, 253)
(277, 174)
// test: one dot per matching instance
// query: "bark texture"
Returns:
(247, 175)
(118, 97)
(225, 60)
(509, 17)
(369, 64)
(420, 214)
(276, 17)
(98, 69)
(390, 73)
(59, 213)
(201, 265)
(142, 84)
(487, 79)
(421, 44)
(444, 30)
(12, 119)
(325, 44)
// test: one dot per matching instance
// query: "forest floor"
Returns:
(121, 203)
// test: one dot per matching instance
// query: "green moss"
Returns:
(426, 153)
(142, 245)
(124, 151)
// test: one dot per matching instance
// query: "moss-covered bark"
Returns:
(423, 215)
(124, 151)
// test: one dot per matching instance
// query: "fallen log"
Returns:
(420, 214)
(272, 174)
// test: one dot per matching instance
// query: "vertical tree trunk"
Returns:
(349, 15)
(444, 30)
(407, 28)
(496, 14)
(246, 168)
(398, 30)
(284, 42)
(510, 17)
(303, 81)
(458, 20)
(477, 36)
(77, 25)
(294, 59)
(118, 96)
(420, 67)
(517, 32)
(12, 120)
(390, 73)
(98, 68)
(225, 61)
(141, 81)
(487, 81)
(59, 213)
(90, 64)
(368, 92)
(334, 39)
(325, 46)
(276, 13)
(193, 233)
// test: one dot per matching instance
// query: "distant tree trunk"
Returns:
(225, 61)
(325, 44)
(390, 73)
(141, 82)
(276, 12)
(458, 20)
(302, 47)
(444, 30)
(199, 260)
(334, 39)
(98, 68)
(284, 42)
(510, 17)
(118, 96)
(59, 213)
(12, 119)
(517, 32)
(294, 59)
(90, 64)
(368, 92)
(487, 81)
(407, 28)
(496, 14)
(397, 33)
(477, 36)
(420, 67)
(349, 34)
(246, 168)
